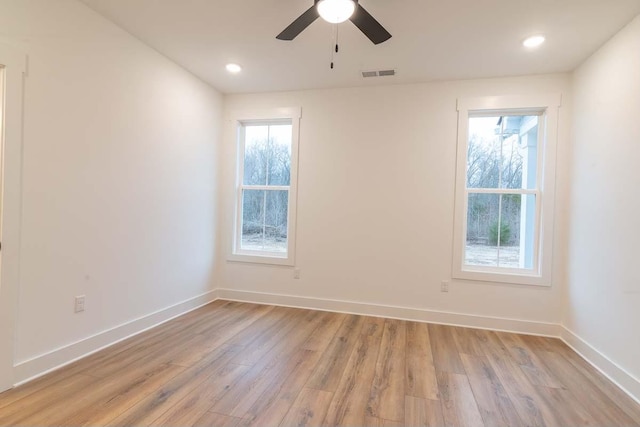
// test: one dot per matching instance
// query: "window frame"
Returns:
(271, 117)
(546, 107)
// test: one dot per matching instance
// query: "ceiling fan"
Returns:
(336, 11)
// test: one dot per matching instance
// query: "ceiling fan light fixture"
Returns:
(336, 11)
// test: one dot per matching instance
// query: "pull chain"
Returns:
(335, 49)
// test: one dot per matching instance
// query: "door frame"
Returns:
(14, 70)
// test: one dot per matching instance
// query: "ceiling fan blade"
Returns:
(369, 26)
(297, 26)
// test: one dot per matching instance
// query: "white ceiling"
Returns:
(432, 39)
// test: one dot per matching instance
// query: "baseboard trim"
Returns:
(395, 312)
(35, 367)
(610, 369)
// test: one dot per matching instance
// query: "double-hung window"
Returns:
(266, 187)
(505, 189)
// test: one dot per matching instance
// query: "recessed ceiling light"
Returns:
(533, 41)
(233, 68)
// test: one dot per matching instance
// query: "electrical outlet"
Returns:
(296, 273)
(444, 287)
(79, 306)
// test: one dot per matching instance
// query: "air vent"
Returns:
(380, 73)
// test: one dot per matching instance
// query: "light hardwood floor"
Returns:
(237, 364)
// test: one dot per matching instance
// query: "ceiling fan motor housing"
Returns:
(360, 18)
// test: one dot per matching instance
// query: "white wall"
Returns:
(375, 200)
(119, 176)
(603, 301)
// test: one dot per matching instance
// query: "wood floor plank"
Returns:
(304, 367)
(155, 404)
(561, 409)
(329, 371)
(602, 408)
(156, 350)
(210, 340)
(253, 335)
(36, 388)
(326, 331)
(100, 390)
(469, 341)
(211, 419)
(309, 409)
(423, 412)
(445, 352)
(459, 407)
(238, 400)
(198, 401)
(161, 355)
(265, 342)
(275, 402)
(621, 399)
(387, 392)
(51, 397)
(117, 397)
(523, 394)
(420, 378)
(349, 404)
(533, 368)
(237, 319)
(381, 422)
(135, 344)
(493, 401)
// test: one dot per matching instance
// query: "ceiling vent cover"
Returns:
(378, 73)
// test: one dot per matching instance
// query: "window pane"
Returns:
(482, 217)
(256, 142)
(264, 220)
(507, 235)
(252, 219)
(517, 243)
(267, 155)
(279, 155)
(483, 153)
(501, 230)
(276, 221)
(502, 152)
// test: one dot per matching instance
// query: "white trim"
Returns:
(610, 369)
(35, 367)
(546, 106)
(238, 120)
(268, 114)
(525, 103)
(395, 312)
(14, 66)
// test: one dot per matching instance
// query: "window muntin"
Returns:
(266, 178)
(505, 189)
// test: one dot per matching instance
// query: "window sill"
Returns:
(261, 259)
(511, 278)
